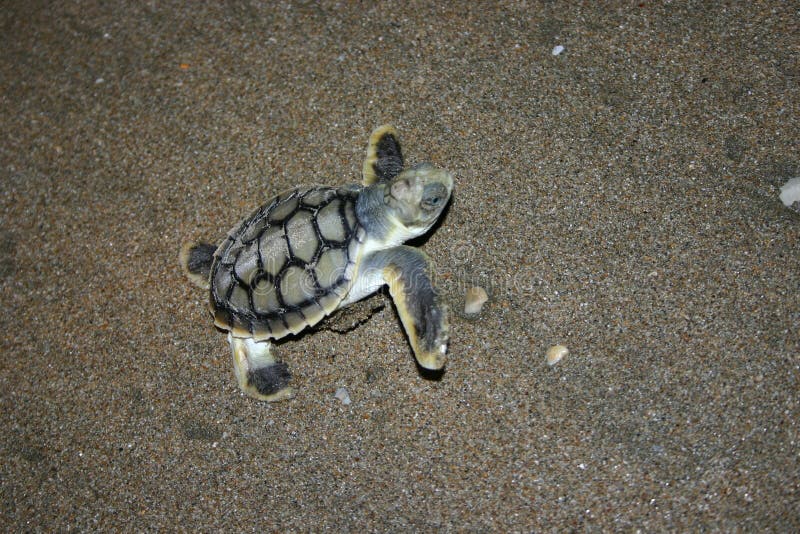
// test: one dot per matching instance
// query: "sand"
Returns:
(619, 198)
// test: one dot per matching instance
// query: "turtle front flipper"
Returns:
(259, 374)
(384, 157)
(408, 272)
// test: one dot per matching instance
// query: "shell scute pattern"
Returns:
(301, 235)
(287, 265)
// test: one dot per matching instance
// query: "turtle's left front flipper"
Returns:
(408, 272)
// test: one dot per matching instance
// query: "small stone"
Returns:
(343, 395)
(474, 300)
(790, 194)
(557, 50)
(555, 354)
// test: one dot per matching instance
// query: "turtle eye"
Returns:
(434, 197)
(431, 202)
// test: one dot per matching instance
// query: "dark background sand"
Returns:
(620, 198)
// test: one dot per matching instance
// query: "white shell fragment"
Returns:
(557, 50)
(790, 194)
(474, 300)
(555, 354)
(343, 395)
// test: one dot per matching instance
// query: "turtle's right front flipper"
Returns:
(408, 272)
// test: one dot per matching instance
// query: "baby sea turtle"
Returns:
(310, 251)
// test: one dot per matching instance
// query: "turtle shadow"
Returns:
(430, 374)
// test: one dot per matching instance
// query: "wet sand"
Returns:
(619, 198)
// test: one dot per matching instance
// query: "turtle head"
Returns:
(416, 197)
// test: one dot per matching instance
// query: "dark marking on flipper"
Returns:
(390, 158)
(196, 260)
(271, 379)
(424, 316)
(201, 256)
(384, 156)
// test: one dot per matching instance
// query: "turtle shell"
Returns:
(287, 265)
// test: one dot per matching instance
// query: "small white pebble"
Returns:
(556, 353)
(474, 300)
(557, 50)
(343, 395)
(790, 192)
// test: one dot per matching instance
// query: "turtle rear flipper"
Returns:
(196, 260)
(259, 374)
(407, 271)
